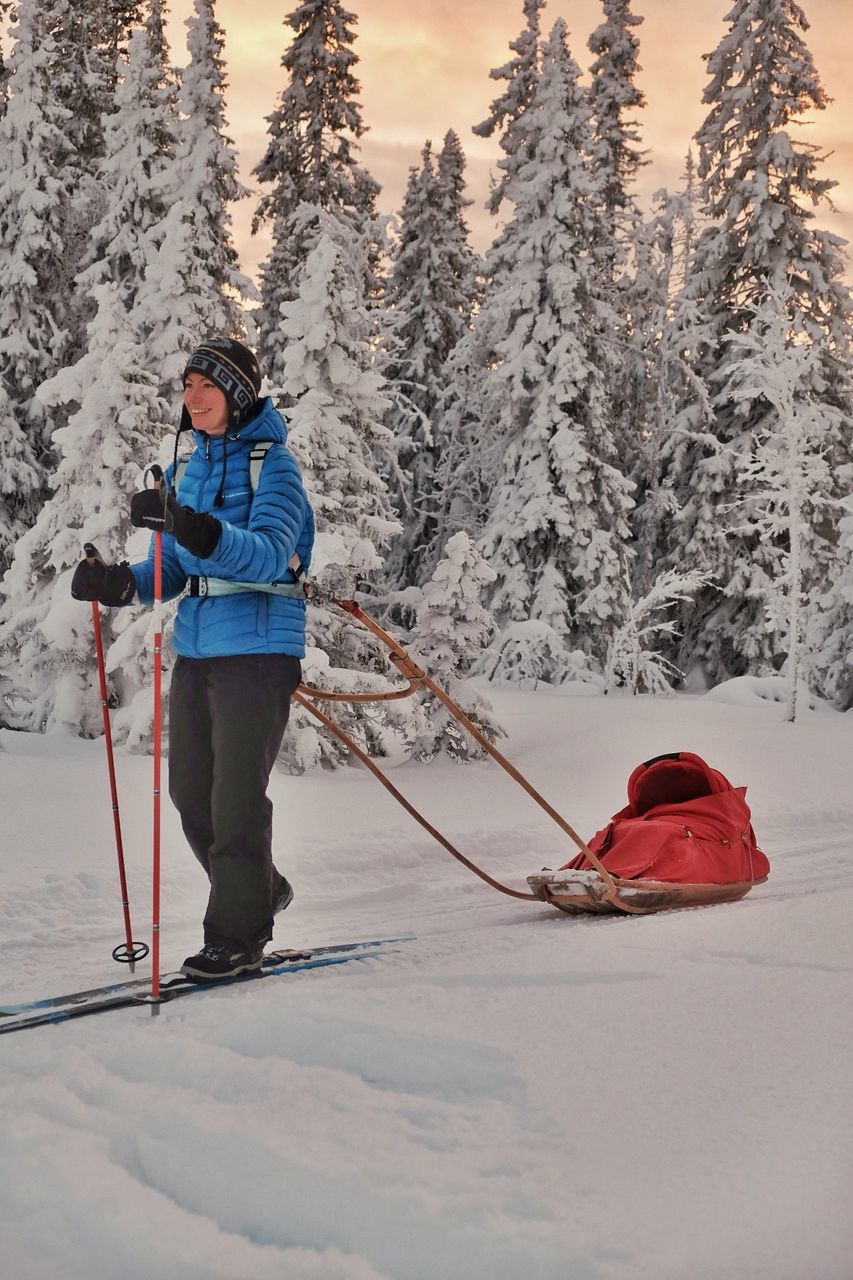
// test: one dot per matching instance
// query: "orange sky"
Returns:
(425, 68)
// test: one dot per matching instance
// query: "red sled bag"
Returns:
(684, 823)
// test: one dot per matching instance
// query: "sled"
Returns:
(585, 886)
(684, 839)
(581, 893)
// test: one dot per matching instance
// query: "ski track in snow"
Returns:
(512, 1093)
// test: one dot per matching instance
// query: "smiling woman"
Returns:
(205, 404)
(425, 68)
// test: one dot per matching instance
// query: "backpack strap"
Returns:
(257, 454)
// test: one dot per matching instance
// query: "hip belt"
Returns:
(198, 586)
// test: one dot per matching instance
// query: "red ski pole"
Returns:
(129, 951)
(158, 720)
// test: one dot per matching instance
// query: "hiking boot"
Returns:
(282, 896)
(214, 961)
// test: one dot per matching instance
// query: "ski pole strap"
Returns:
(201, 587)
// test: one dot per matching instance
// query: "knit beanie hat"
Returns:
(234, 370)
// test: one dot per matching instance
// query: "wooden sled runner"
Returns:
(585, 886)
(581, 893)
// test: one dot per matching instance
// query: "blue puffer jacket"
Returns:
(257, 542)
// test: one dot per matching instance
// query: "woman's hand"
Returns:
(111, 584)
(160, 510)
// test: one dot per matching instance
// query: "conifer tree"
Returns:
(829, 634)
(463, 264)
(36, 191)
(138, 169)
(617, 158)
(20, 480)
(635, 662)
(759, 186)
(521, 74)
(336, 426)
(471, 451)
(452, 627)
(91, 45)
(655, 378)
(615, 148)
(48, 672)
(5, 6)
(175, 307)
(787, 478)
(557, 517)
(311, 158)
(207, 171)
(430, 298)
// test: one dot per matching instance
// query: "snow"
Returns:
(512, 1093)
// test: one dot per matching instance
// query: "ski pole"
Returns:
(158, 719)
(129, 951)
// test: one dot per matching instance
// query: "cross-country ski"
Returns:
(135, 992)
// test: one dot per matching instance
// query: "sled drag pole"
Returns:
(342, 736)
(129, 951)
(401, 659)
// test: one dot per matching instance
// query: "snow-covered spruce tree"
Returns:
(769, 379)
(451, 629)
(406, 328)
(635, 663)
(336, 423)
(173, 310)
(557, 524)
(759, 186)
(91, 42)
(617, 157)
(5, 6)
(470, 451)
(20, 480)
(33, 198)
(521, 74)
(463, 264)
(829, 637)
(615, 148)
(48, 672)
(310, 160)
(138, 169)
(207, 170)
(661, 248)
(430, 298)
(92, 37)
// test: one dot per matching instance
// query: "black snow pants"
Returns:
(227, 717)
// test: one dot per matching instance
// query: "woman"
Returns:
(238, 638)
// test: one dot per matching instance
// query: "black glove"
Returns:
(159, 509)
(111, 584)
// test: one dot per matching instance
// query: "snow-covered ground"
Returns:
(513, 1095)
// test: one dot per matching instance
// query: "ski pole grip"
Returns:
(91, 553)
(156, 473)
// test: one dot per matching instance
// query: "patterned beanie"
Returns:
(234, 370)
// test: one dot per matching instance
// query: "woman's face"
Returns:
(205, 404)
